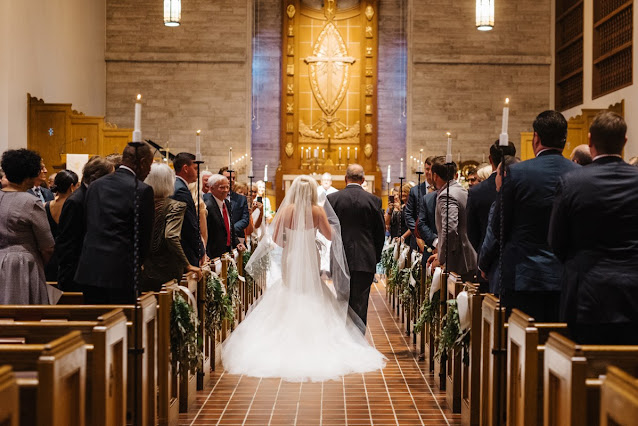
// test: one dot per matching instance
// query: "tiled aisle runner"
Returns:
(402, 394)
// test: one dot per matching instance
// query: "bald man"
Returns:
(582, 155)
(362, 232)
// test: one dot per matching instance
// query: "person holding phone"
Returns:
(395, 213)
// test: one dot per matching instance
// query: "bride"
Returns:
(302, 328)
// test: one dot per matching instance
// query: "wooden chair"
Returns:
(471, 374)
(618, 398)
(572, 381)
(51, 378)
(493, 356)
(146, 324)
(106, 359)
(525, 353)
(454, 286)
(9, 397)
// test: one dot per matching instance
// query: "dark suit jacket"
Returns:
(239, 214)
(46, 193)
(217, 235)
(68, 244)
(362, 227)
(427, 219)
(191, 238)
(479, 201)
(528, 193)
(107, 252)
(594, 233)
(412, 206)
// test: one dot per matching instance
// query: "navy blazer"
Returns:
(427, 219)
(191, 237)
(411, 208)
(46, 193)
(107, 251)
(68, 245)
(479, 201)
(528, 195)
(362, 227)
(239, 214)
(594, 233)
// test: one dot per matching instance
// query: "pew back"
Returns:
(493, 356)
(618, 398)
(9, 398)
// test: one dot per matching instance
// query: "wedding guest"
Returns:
(186, 173)
(396, 217)
(72, 224)
(530, 271)
(239, 206)
(116, 159)
(426, 226)
(200, 207)
(26, 243)
(261, 192)
(205, 175)
(416, 194)
(581, 155)
(451, 225)
(242, 189)
(51, 182)
(483, 172)
(326, 184)
(166, 259)
(65, 182)
(257, 213)
(472, 177)
(222, 238)
(3, 180)
(600, 283)
(43, 194)
(106, 264)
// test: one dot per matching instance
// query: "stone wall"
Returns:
(195, 76)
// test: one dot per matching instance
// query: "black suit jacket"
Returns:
(68, 244)
(107, 252)
(528, 193)
(479, 201)
(46, 193)
(191, 236)
(362, 227)
(217, 235)
(412, 207)
(594, 233)
(427, 219)
(239, 213)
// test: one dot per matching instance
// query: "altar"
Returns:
(338, 181)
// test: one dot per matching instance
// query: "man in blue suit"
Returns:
(530, 271)
(412, 207)
(594, 233)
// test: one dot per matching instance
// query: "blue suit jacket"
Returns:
(528, 195)
(479, 201)
(191, 238)
(427, 220)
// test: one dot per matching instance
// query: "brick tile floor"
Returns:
(401, 394)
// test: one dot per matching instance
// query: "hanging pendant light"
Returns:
(484, 15)
(173, 12)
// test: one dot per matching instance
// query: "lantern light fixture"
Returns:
(484, 15)
(172, 12)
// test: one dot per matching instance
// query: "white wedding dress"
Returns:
(302, 328)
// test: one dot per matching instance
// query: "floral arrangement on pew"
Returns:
(217, 302)
(429, 310)
(453, 336)
(185, 342)
(407, 283)
(232, 283)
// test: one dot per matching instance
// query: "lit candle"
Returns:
(356, 154)
(401, 170)
(266, 173)
(317, 152)
(503, 138)
(323, 154)
(420, 166)
(198, 146)
(339, 153)
(308, 153)
(137, 128)
(301, 151)
(230, 158)
(483, 158)
(252, 171)
(348, 153)
(448, 156)
(388, 179)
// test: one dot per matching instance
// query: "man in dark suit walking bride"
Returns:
(363, 232)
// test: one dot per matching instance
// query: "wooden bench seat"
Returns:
(471, 373)
(146, 334)
(9, 397)
(493, 358)
(572, 380)
(618, 398)
(106, 359)
(51, 379)
(454, 286)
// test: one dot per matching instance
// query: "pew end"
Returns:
(618, 398)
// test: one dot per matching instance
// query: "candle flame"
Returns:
(402, 159)
(449, 134)
(421, 149)
(507, 101)
(199, 132)
(139, 97)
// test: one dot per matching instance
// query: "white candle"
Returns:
(339, 153)
(356, 153)
(401, 170)
(348, 153)
(323, 154)
(483, 158)
(137, 127)
(420, 166)
(388, 179)
(308, 153)
(198, 146)
(503, 138)
(301, 151)
(252, 171)
(317, 152)
(230, 158)
(266, 173)
(448, 156)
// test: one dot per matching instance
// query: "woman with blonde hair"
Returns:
(203, 213)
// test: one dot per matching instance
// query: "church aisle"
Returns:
(402, 394)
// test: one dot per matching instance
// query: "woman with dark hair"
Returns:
(64, 184)
(26, 243)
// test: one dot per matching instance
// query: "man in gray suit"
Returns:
(451, 223)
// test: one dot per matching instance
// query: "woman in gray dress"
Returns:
(26, 243)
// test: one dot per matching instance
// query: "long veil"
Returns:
(290, 252)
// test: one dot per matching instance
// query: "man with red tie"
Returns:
(221, 235)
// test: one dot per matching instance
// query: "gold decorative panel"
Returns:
(329, 86)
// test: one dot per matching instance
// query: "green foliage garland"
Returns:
(232, 283)
(185, 344)
(219, 306)
(451, 336)
(429, 311)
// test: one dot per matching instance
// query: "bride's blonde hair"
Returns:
(303, 188)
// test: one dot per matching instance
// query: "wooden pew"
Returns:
(572, 381)
(440, 364)
(106, 359)
(9, 397)
(167, 378)
(493, 357)
(188, 383)
(147, 317)
(454, 286)
(471, 382)
(525, 353)
(618, 398)
(51, 378)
